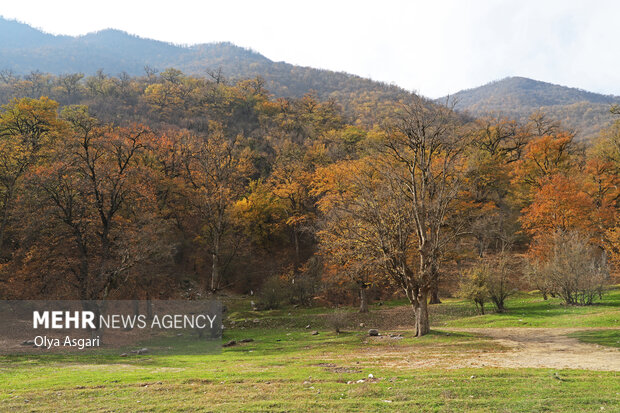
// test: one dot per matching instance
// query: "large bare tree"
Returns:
(425, 140)
(215, 169)
(399, 208)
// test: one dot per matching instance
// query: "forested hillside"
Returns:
(170, 185)
(247, 175)
(518, 97)
(24, 50)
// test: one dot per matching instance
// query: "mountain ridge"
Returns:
(526, 84)
(518, 97)
(25, 49)
(115, 51)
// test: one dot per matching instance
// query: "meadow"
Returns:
(287, 368)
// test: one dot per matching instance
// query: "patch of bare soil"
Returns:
(513, 348)
(542, 348)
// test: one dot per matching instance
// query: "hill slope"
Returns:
(24, 49)
(518, 97)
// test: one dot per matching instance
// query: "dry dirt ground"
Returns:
(512, 348)
(545, 347)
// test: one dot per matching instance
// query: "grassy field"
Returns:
(530, 310)
(301, 372)
(286, 368)
(609, 338)
(523, 310)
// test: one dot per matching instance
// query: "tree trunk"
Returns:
(215, 272)
(422, 326)
(363, 299)
(435, 293)
(296, 242)
(429, 272)
(135, 304)
(149, 306)
(499, 304)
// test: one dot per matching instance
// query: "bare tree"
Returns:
(426, 142)
(8, 76)
(215, 169)
(398, 203)
(574, 269)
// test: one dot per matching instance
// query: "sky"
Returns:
(433, 47)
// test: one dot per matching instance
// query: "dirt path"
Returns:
(543, 348)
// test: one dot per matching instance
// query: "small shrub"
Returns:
(337, 320)
(574, 269)
(498, 281)
(474, 286)
(272, 294)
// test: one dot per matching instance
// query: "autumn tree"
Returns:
(174, 96)
(216, 169)
(262, 214)
(290, 179)
(543, 156)
(347, 262)
(559, 204)
(354, 235)
(27, 127)
(425, 141)
(92, 193)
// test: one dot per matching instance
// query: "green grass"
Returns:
(530, 310)
(300, 372)
(286, 368)
(609, 338)
(523, 310)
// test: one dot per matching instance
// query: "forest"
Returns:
(580, 111)
(168, 185)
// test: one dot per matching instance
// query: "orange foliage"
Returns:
(543, 156)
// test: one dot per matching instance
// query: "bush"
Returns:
(337, 320)
(474, 286)
(574, 269)
(489, 280)
(272, 294)
(498, 281)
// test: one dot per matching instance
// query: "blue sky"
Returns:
(432, 47)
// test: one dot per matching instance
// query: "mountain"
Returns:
(24, 49)
(518, 97)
